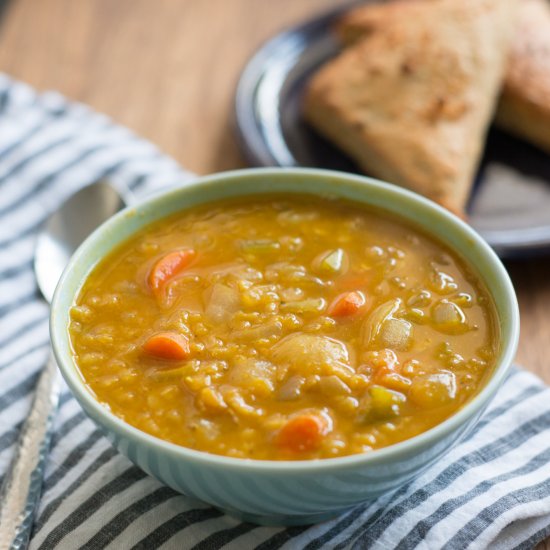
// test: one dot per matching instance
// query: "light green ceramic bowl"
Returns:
(277, 492)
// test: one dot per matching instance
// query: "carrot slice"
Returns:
(347, 304)
(167, 345)
(168, 267)
(303, 433)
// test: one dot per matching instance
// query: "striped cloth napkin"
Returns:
(493, 490)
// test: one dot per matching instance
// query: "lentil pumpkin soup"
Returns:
(283, 327)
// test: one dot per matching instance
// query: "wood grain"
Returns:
(165, 68)
(168, 69)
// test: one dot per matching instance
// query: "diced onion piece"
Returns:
(271, 329)
(433, 390)
(206, 428)
(332, 262)
(395, 334)
(291, 389)
(309, 305)
(449, 318)
(309, 351)
(253, 375)
(374, 322)
(260, 246)
(224, 302)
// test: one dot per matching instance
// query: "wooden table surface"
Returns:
(168, 69)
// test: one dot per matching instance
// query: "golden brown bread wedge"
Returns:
(411, 101)
(524, 107)
(374, 16)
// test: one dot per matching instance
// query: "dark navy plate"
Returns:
(510, 203)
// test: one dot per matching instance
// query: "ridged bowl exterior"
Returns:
(283, 492)
(273, 498)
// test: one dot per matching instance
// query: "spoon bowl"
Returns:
(59, 237)
(67, 228)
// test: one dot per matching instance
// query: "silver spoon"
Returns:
(60, 236)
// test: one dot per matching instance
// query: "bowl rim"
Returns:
(402, 449)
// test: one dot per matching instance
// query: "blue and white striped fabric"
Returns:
(493, 490)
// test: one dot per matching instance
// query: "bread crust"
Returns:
(524, 107)
(412, 98)
(524, 104)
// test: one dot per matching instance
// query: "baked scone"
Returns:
(524, 107)
(374, 16)
(411, 101)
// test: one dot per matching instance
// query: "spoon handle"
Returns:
(22, 483)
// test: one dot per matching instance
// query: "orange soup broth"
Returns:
(313, 328)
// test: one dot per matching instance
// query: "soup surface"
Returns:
(283, 327)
